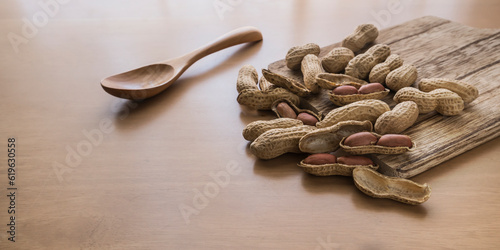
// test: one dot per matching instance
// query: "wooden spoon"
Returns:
(152, 79)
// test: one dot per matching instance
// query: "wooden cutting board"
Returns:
(438, 48)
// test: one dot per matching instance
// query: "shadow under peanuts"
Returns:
(142, 112)
(344, 185)
(363, 201)
(279, 167)
(327, 184)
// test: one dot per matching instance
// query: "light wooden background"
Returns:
(128, 188)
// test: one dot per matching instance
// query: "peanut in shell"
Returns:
(358, 111)
(401, 117)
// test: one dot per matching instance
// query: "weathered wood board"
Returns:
(438, 48)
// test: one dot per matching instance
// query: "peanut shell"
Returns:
(380, 71)
(278, 141)
(327, 139)
(401, 77)
(377, 185)
(332, 169)
(358, 111)
(360, 66)
(401, 117)
(465, 90)
(380, 52)
(341, 100)
(262, 100)
(331, 81)
(337, 59)
(265, 85)
(310, 67)
(443, 101)
(286, 83)
(247, 78)
(363, 35)
(295, 54)
(256, 128)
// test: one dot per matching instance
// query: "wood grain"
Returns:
(438, 48)
(163, 151)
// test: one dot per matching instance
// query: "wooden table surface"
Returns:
(173, 172)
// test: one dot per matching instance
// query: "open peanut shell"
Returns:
(375, 149)
(286, 83)
(331, 81)
(327, 139)
(341, 100)
(332, 169)
(304, 107)
(377, 185)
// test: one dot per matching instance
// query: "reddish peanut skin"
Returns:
(395, 140)
(360, 139)
(371, 88)
(307, 119)
(320, 159)
(345, 90)
(285, 110)
(354, 160)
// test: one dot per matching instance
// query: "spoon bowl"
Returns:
(150, 80)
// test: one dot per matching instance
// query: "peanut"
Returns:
(307, 119)
(380, 52)
(345, 90)
(256, 128)
(344, 95)
(263, 100)
(313, 115)
(364, 34)
(329, 168)
(401, 117)
(361, 65)
(360, 139)
(285, 111)
(331, 81)
(465, 90)
(371, 88)
(295, 55)
(278, 141)
(395, 140)
(311, 66)
(358, 111)
(367, 143)
(247, 78)
(355, 160)
(286, 83)
(443, 101)
(377, 185)
(328, 139)
(401, 77)
(337, 59)
(380, 71)
(265, 85)
(320, 159)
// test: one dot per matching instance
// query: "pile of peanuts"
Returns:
(362, 124)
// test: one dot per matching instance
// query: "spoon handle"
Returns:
(241, 35)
